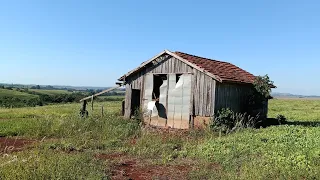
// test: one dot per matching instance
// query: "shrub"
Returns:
(227, 121)
(260, 93)
(281, 119)
(138, 116)
(262, 86)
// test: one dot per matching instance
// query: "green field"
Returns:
(13, 98)
(68, 147)
(50, 92)
(37, 97)
(295, 109)
(17, 94)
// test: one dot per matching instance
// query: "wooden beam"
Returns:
(100, 93)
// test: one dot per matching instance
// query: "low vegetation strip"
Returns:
(13, 98)
(69, 147)
(50, 92)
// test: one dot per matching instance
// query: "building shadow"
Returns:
(275, 122)
(161, 110)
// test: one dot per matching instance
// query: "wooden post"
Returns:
(102, 114)
(84, 105)
(123, 107)
(92, 103)
(83, 111)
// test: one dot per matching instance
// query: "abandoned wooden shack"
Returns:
(179, 90)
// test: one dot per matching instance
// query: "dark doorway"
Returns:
(135, 100)
(158, 80)
(157, 83)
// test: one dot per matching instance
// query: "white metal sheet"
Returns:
(186, 97)
(147, 96)
(161, 106)
(171, 99)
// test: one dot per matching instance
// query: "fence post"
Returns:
(92, 103)
(102, 114)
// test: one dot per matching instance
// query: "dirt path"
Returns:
(125, 167)
(8, 145)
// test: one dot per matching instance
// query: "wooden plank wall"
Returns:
(203, 85)
(203, 94)
(165, 65)
(127, 105)
(208, 95)
(263, 111)
(233, 96)
(170, 65)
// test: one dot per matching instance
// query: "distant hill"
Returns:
(289, 95)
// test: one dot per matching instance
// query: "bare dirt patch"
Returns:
(8, 145)
(137, 171)
(125, 167)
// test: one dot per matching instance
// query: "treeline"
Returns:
(45, 99)
(38, 99)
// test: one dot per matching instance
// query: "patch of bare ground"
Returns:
(8, 145)
(126, 167)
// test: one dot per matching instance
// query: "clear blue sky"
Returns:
(92, 43)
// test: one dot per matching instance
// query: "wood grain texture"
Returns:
(127, 107)
(233, 96)
(207, 95)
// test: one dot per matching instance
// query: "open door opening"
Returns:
(159, 94)
(135, 101)
(157, 83)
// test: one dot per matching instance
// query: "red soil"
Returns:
(135, 171)
(129, 168)
(8, 145)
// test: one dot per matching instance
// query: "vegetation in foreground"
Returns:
(67, 145)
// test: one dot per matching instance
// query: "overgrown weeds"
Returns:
(281, 119)
(227, 121)
(71, 143)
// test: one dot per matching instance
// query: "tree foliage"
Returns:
(262, 86)
(260, 93)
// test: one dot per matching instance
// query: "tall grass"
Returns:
(279, 152)
(295, 110)
(45, 164)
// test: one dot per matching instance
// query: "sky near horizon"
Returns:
(92, 43)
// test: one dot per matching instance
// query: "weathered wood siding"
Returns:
(163, 64)
(127, 105)
(262, 111)
(203, 93)
(233, 96)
